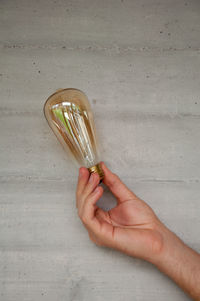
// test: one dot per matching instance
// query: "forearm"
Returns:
(180, 263)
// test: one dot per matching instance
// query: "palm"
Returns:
(128, 214)
(129, 220)
(132, 213)
(131, 226)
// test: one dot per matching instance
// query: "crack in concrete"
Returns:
(9, 112)
(112, 48)
(31, 178)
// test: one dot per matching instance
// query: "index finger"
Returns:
(82, 182)
(116, 186)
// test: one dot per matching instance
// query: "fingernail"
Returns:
(103, 164)
(91, 178)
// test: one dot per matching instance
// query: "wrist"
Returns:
(170, 248)
(179, 262)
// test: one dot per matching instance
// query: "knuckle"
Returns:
(79, 214)
(99, 243)
(96, 177)
(91, 238)
(84, 220)
(114, 179)
(95, 241)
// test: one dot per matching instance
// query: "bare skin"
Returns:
(133, 228)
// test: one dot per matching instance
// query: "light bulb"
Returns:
(69, 115)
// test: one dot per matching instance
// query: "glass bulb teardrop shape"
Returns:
(69, 115)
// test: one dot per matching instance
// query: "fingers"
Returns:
(116, 186)
(97, 221)
(82, 181)
(94, 219)
(87, 214)
(89, 207)
(91, 185)
(86, 185)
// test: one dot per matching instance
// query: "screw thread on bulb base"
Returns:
(97, 168)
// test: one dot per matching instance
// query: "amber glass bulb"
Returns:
(69, 115)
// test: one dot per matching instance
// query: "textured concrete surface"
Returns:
(138, 61)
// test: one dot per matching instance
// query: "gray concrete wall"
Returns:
(138, 62)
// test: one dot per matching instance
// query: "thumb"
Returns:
(116, 186)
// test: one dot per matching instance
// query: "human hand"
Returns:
(131, 226)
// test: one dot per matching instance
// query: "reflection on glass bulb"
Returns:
(69, 115)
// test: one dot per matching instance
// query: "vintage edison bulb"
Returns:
(69, 115)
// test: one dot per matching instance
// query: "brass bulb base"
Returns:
(97, 168)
